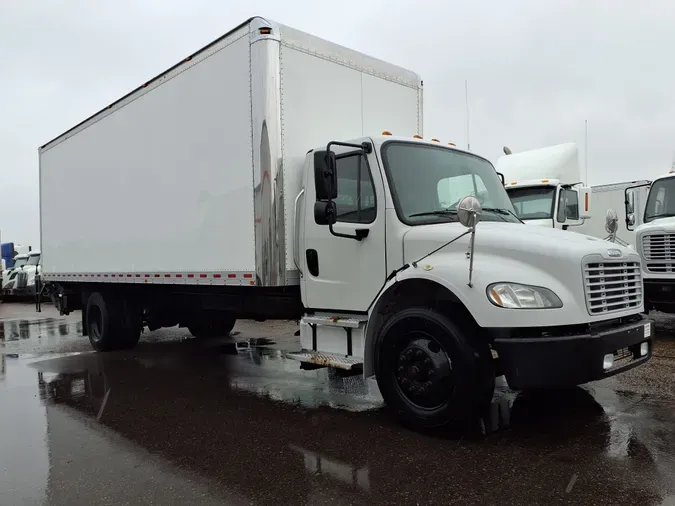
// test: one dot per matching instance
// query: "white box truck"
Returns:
(246, 182)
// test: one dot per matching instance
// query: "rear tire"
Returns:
(112, 324)
(214, 326)
(428, 373)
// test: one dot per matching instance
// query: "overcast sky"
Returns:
(536, 70)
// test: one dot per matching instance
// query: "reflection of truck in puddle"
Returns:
(194, 430)
(372, 242)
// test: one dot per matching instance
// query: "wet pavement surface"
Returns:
(230, 421)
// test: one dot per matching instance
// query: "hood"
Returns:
(526, 243)
(665, 224)
(545, 222)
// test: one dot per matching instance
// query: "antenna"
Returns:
(586, 149)
(466, 102)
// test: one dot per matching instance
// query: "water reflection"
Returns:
(23, 329)
(196, 412)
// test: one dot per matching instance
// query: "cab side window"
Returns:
(356, 201)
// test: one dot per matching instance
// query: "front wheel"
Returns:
(428, 373)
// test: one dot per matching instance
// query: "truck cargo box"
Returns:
(191, 178)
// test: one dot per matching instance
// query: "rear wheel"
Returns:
(213, 326)
(112, 324)
(428, 373)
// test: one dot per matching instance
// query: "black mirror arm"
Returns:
(359, 235)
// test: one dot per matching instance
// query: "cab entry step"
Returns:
(327, 359)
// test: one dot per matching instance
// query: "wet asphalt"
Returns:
(230, 421)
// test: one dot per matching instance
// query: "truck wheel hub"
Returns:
(423, 372)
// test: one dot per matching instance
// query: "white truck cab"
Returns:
(25, 281)
(655, 240)
(545, 186)
(9, 276)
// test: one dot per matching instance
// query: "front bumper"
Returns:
(659, 294)
(564, 361)
(22, 292)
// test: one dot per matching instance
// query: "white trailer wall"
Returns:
(161, 184)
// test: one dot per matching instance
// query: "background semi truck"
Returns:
(546, 189)
(401, 258)
(654, 228)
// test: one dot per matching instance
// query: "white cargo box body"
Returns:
(192, 177)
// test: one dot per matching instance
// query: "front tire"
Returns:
(112, 324)
(428, 373)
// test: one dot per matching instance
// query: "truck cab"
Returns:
(9, 276)
(545, 186)
(655, 239)
(410, 253)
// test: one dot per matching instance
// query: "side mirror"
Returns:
(325, 213)
(325, 175)
(611, 222)
(584, 202)
(469, 211)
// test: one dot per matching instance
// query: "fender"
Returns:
(412, 274)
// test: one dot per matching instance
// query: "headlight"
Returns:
(515, 296)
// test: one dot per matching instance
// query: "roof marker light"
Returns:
(417, 136)
(435, 140)
(452, 144)
(386, 132)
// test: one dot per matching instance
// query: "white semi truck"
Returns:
(546, 189)
(300, 212)
(654, 226)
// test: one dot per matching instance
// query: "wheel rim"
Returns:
(95, 324)
(423, 371)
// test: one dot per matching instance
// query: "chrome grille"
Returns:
(21, 279)
(659, 252)
(612, 286)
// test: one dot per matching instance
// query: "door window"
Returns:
(356, 193)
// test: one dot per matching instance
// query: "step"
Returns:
(326, 359)
(336, 321)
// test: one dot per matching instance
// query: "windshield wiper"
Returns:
(440, 212)
(501, 211)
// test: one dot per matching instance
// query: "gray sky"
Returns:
(536, 71)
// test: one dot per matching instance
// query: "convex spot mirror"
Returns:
(469, 211)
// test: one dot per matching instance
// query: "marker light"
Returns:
(386, 132)
(417, 136)
(435, 140)
(586, 202)
(452, 144)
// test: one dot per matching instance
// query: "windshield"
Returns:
(661, 199)
(20, 262)
(428, 182)
(533, 203)
(33, 260)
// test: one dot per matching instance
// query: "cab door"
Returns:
(345, 274)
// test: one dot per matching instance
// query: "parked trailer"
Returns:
(294, 220)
